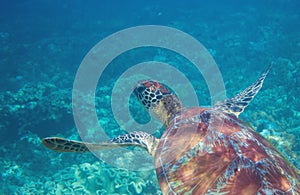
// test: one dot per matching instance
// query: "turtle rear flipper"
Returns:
(140, 139)
(239, 102)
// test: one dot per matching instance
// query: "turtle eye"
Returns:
(140, 89)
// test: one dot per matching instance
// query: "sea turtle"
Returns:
(203, 150)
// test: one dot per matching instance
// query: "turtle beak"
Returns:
(138, 90)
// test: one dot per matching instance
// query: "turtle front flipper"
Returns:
(64, 145)
(140, 139)
(239, 102)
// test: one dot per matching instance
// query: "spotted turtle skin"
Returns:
(205, 151)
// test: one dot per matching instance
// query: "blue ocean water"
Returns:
(44, 42)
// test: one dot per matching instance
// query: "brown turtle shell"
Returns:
(208, 152)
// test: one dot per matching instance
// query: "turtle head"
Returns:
(158, 98)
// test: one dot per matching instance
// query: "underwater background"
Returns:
(42, 43)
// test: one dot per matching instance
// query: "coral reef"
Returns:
(42, 101)
(96, 178)
(48, 172)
